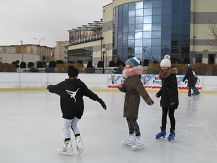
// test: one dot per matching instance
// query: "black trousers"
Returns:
(169, 111)
(133, 126)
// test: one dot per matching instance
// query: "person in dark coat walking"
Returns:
(133, 88)
(189, 75)
(71, 92)
(169, 97)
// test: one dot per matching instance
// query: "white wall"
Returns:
(93, 81)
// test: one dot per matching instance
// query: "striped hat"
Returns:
(133, 62)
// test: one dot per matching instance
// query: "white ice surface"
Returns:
(31, 130)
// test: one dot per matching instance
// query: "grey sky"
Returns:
(51, 19)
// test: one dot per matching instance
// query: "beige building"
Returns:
(149, 29)
(60, 52)
(25, 52)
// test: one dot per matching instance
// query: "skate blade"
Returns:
(80, 150)
(64, 153)
(138, 149)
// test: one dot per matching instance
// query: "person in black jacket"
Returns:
(191, 81)
(169, 97)
(71, 92)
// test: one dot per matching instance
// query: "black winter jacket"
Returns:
(71, 92)
(169, 89)
(190, 77)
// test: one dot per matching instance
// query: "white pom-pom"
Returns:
(166, 57)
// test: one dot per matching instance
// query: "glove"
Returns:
(102, 103)
(150, 103)
(157, 95)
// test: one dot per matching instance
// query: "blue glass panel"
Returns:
(175, 42)
(156, 19)
(131, 28)
(132, 6)
(138, 42)
(146, 34)
(156, 3)
(156, 42)
(156, 27)
(139, 12)
(125, 36)
(156, 34)
(132, 13)
(131, 43)
(146, 42)
(131, 35)
(166, 11)
(139, 5)
(147, 19)
(132, 20)
(147, 4)
(147, 27)
(147, 11)
(138, 50)
(139, 20)
(139, 27)
(138, 35)
(156, 11)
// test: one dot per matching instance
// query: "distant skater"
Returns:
(192, 80)
(169, 97)
(133, 88)
(71, 92)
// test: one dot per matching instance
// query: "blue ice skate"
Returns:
(171, 136)
(161, 134)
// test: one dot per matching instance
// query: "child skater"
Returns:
(71, 92)
(133, 88)
(169, 97)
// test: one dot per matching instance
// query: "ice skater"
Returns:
(169, 97)
(192, 80)
(71, 92)
(133, 88)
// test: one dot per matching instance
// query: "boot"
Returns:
(129, 141)
(161, 134)
(79, 144)
(67, 148)
(138, 144)
(171, 136)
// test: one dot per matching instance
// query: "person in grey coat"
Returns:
(133, 88)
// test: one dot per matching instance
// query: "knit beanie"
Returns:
(133, 62)
(72, 71)
(166, 61)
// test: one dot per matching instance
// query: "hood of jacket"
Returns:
(163, 74)
(127, 72)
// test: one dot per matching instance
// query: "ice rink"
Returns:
(31, 130)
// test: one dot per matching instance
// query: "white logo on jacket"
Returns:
(72, 94)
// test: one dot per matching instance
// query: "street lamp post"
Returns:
(39, 40)
(103, 59)
(21, 49)
(39, 43)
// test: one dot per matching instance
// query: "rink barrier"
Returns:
(96, 82)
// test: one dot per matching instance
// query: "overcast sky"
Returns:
(23, 20)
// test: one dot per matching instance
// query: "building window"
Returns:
(211, 58)
(198, 58)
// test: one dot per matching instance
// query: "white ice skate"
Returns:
(138, 144)
(79, 144)
(66, 149)
(129, 141)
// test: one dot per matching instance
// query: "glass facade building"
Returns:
(151, 28)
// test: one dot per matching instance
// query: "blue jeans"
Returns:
(195, 91)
